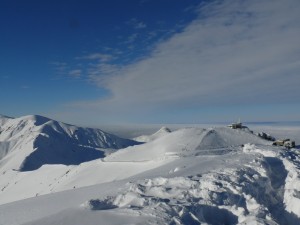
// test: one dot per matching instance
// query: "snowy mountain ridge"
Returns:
(28, 142)
(211, 176)
(188, 142)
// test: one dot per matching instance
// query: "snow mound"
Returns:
(160, 133)
(28, 142)
(255, 193)
(188, 141)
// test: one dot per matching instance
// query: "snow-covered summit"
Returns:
(36, 119)
(189, 141)
(3, 119)
(165, 130)
(158, 134)
(3, 116)
(28, 142)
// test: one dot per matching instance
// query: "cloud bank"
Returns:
(235, 52)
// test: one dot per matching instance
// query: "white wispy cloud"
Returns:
(140, 25)
(136, 24)
(60, 69)
(131, 38)
(100, 72)
(59, 66)
(235, 52)
(75, 73)
(97, 56)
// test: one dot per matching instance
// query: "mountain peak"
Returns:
(5, 117)
(46, 141)
(37, 119)
(164, 130)
(158, 134)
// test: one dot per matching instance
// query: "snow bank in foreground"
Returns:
(257, 193)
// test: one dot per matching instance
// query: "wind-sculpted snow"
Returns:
(215, 176)
(253, 194)
(37, 140)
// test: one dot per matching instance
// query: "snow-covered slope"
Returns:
(27, 143)
(190, 176)
(160, 133)
(187, 142)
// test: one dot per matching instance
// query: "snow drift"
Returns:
(190, 176)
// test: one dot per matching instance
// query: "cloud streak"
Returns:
(75, 73)
(235, 52)
(97, 56)
(136, 24)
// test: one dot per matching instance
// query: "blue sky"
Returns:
(147, 61)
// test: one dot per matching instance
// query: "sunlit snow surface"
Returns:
(189, 176)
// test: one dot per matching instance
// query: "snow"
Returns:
(189, 176)
(27, 143)
(160, 133)
(188, 142)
